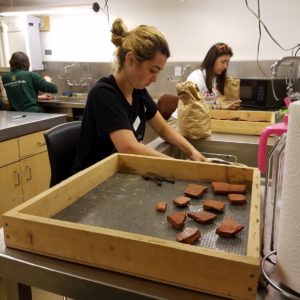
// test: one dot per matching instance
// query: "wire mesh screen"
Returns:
(127, 202)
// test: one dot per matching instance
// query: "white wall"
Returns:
(191, 28)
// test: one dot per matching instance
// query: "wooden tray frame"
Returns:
(29, 227)
(241, 127)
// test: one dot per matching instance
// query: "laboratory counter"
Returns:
(14, 124)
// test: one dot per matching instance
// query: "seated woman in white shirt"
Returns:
(210, 77)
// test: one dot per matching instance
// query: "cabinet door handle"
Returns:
(40, 144)
(29, 173)
(17, 178)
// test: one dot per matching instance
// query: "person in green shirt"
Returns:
(23, 86)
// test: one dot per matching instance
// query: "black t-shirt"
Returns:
(107, 110)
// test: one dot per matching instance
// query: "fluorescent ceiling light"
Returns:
(48, 11)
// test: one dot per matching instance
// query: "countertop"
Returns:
(70, 102)
(64, 101)
(15, 124)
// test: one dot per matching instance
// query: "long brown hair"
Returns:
(208, 63)
(144, 41)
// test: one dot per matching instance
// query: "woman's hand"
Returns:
(45, 96)
(197, 156)
(232, 105)
(172, 136)
(48, 78)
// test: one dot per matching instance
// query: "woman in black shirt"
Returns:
(119, 106)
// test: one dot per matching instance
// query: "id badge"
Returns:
(136, 123)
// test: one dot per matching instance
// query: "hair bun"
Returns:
(119, 32)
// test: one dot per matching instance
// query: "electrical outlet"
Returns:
(48, 52)
(177, 71)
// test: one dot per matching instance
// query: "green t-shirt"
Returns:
(22, 88)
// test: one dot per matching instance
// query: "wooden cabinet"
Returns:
(35, 174)
(24, 170)
(2, 290)
(32, 144)
(35, 165)
(11, 193)
(38, 294)
(9, 152)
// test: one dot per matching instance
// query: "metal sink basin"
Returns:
(243, 147)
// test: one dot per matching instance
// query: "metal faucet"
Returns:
(72, 66)
(185, 71)
(76, 83)
(75, 71)
(290, 81)
(290, 59)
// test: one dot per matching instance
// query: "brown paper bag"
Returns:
(194, 116)
(231, 93)
(232, 88)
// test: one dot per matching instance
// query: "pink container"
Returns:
(278, 129)
(287, 101)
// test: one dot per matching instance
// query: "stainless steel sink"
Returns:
(244, 148)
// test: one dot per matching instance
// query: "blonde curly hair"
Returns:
(144, 41)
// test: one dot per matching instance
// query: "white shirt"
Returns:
(198, 77)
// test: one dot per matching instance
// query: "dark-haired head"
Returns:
(19, 61)
(216, 51)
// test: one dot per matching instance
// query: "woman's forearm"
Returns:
(171, 136)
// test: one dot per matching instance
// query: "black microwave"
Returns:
(258, 92)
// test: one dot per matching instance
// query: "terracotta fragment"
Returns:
(238, 199)
(202, 217)
(195, 190)
(161, 206)
(238, 188)
(182, 201)
(188, 236)
(177, 219)
(225, 188)
(221, 188)
(228, 228)
(216, 205)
